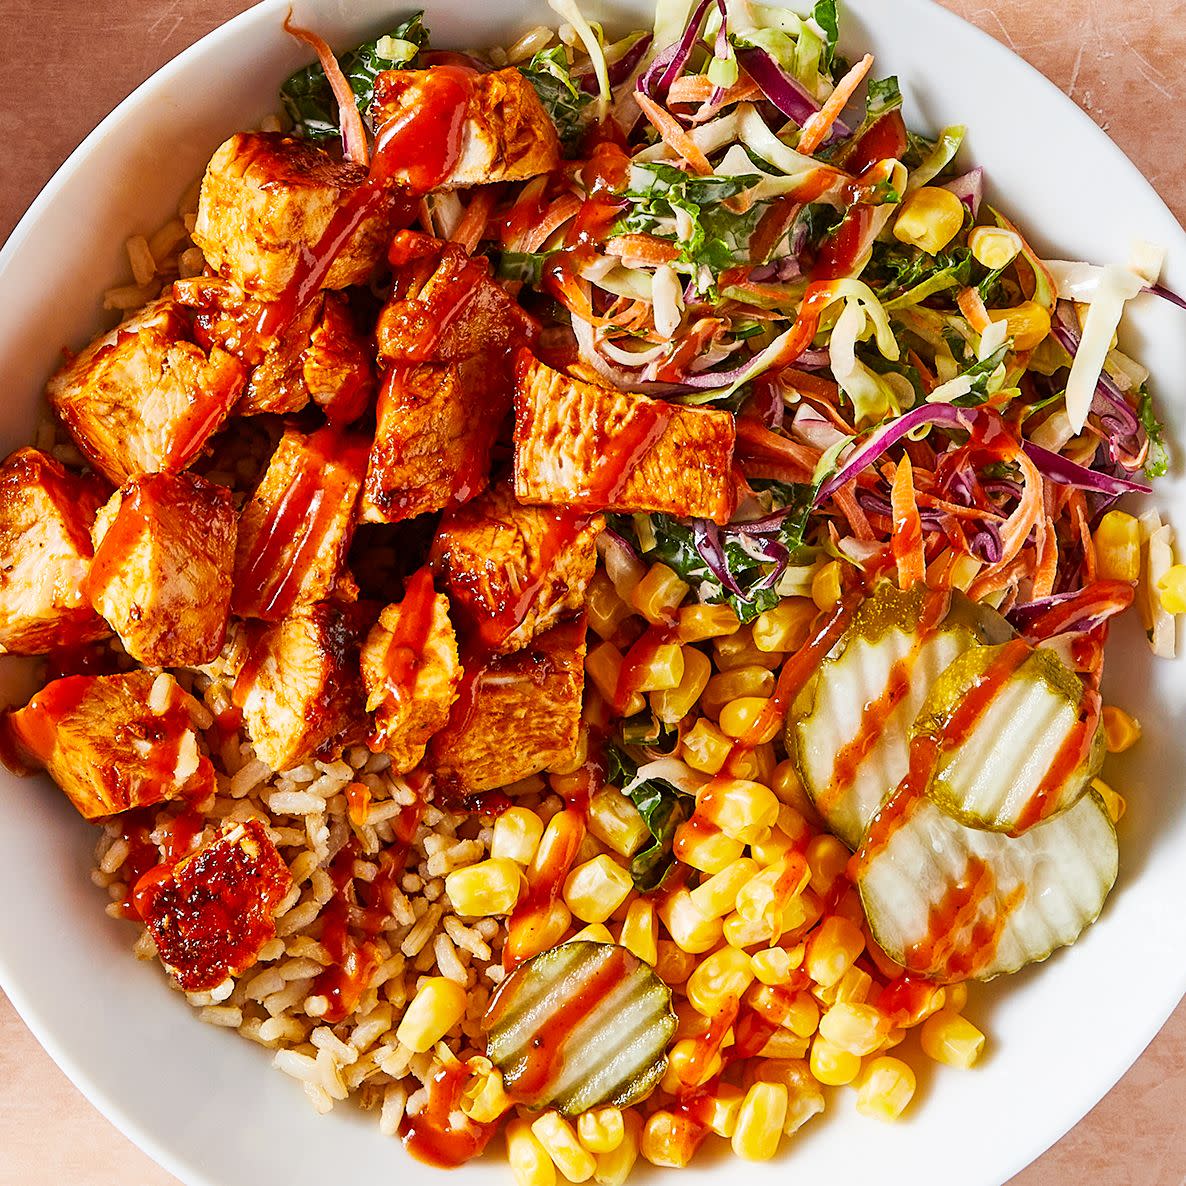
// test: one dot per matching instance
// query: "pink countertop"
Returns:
(1119, 59)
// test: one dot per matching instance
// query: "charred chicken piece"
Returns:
(146, 397)
(164, 554)
(583, 445)
(46, 514)
(112, 742)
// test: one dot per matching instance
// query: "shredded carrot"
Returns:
(816, 129)
(642, 250)
(565, 207)
(773, 226)
(929, 381)
(354, 140)
(673, 135)
(907, 535)
(472, 227)
(846, 501)
(1015, 530)
(807, 384)
(972, 307)
(698, 88)
(756, 441)
(1046, 564)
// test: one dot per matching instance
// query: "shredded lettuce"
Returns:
(1157, 460)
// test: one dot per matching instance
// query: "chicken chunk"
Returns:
(336, 367)
(447, 332)
(516, 716)
(506, 134)
(164, 554)
(411, 672)
(46, 514)
(145, 397)
(512, 571)
(112, 742)
(298, 685)
(267, 200)
(295, 531)
(583, 445)
(211, 912)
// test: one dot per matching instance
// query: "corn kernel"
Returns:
(484, 1099)
(749, 932)
(993, 247)
(831, 1065)
(1171, 589)
(726, 686)
(603, 663)
(739, 716)
(716, 896)
(705, 748)
(1121, 731)
(773, 966)
(788, 786)
(1112, 801)
(760, 1122)
(833, 949)
(669, 1139)
(704, 847)
(697, 623)
(1118, 547)
(595, 932)
(859, 1029)
(529, 1160)
(570, 1158)
(802, 1015)
(640, 931)
(662, 670)
(802, 912)
(517, 833)
(594, 890)
(686, 925)
(1028, 324)
(825, 585)
(658, 595)
(827, 858)
(616, 822)
(739, 650)
(606, 610)
(756, 765)
(853, 987)
(687, 1066)
(535, 933)
(957, 996)
(673, 704)
(767, 895)
(673, 965)
(601, 1130)
(784, 1044)
(744, 810)
(886, 1087)
(929, 219)
(951, 1039)
(438, 1005)
(486, 889)
(613, 1168)
(785, 627)
(722, 976)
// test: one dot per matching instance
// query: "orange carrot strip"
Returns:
(354, 140)
(565, 207)
(642, 250)
(972, 307)
(1046, 565)
(673, 135)
(907, 537)
(816, 129)
(846, 501)
(472, 227)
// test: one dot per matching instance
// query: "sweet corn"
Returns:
(726, 686)
(773, 966)
(853, 987)
(687, 1066)
(766, 895)
(606, 610)
(673, 965)
(785, 627)
(1121, 731)
(529, 1160)
(802, 1015)
(704, 847)
(673, 704)
(486, 889)
(616, 822)
(601, 1130)
(757, 764)
(738, 650)
(1171, 589)
(831, 1065)
(929, 219)
(825, 585)
(827, 858)
(744, 810)
(957, 996)
(613, 1168)
(687, 926)
(570, 1158)
(705, 748)
(484, 1099)
(1118, 547)
(951, 1039)
(886, 1087)
(594, 890)
(760, 1122)
(697, 623)
(603, 664)
(746, 932)
(993, 247)
(517, 833)
(537, 932)
(438, 1005)
(784, 1044)
(803, 1104)
(859, 1029)
(788, 786)
(640, 931)
(716, 896)
(663, 669)
(833, 949)
(802, 912)
(739, 716)
(1028, 324)
(1112, 801)
(722, 976)
(623, 568)
(669, 1139)
(658, 595)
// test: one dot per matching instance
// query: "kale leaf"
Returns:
(563, 100)
(1157, 461)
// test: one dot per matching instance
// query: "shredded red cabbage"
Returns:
(707, 538)
(655, 81)
(620, 70)
(1061, 469)
(969, 189)
(1167, 294)
(783, 90)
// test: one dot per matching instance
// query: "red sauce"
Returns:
(884, 139)
(34, 728)
(354, 963)
(89, 658)
(622, 450)
(358, 803)
(143, 855)
(405, 651)
(906, 1000)
(130, 525)
(839, 254)
(691, 833)
(637, 661)
(431, 1136)
(707, 1046)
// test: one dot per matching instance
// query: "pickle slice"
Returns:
(953, 903)
(1019, 737)
(580, 1025)
(849, 729)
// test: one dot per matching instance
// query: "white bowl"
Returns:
(206, 1104)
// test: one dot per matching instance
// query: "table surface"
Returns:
(1119, 60)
